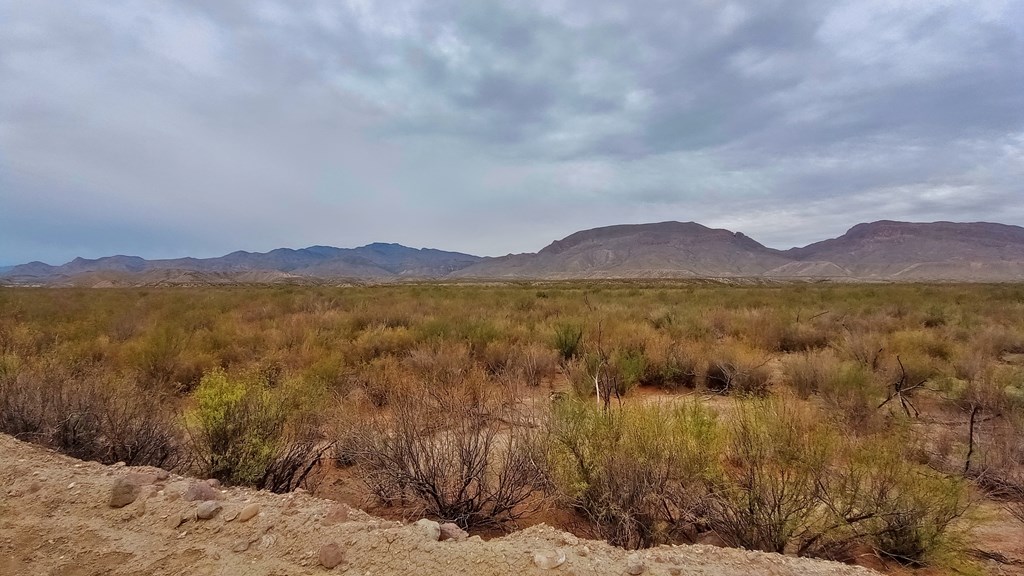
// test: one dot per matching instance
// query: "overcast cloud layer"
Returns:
(200, 127)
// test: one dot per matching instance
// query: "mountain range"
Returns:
(877, 251)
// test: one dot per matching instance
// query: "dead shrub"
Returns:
(460, 453)
(84, 415)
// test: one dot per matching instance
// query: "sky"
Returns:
(200, 127)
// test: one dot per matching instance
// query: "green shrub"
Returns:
(242, 432)
(638, 472)
(568, 341)
(768, 497)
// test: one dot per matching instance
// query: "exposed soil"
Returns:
(56, 519)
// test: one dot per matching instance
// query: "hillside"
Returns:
(57, 518)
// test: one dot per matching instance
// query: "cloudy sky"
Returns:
(199, 127)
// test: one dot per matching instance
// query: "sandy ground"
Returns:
(56, 519)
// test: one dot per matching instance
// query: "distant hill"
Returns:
(663, 250)
(877, 251)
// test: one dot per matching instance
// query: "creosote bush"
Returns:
(638, 473)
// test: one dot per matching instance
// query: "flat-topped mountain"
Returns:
(662, 250)
(926, 251)
(884, 250)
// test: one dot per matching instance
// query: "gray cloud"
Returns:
(203, 127)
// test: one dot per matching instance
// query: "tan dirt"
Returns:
(55, 519)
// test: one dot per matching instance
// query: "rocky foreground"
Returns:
(72, 518)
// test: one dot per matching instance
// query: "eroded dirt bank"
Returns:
(56, 517)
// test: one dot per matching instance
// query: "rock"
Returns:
(549, 560)
(431, 529)
(34, 487)
(634, 565)
(331, 555)
(336, 515)
(208, 509)
(240, 546)
(213, 483)
(123, 493)
(249, 512)
(201, 491)
(142, 478)
(451, 531)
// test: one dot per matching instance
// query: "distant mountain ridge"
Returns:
(376, 261)
(878, 251)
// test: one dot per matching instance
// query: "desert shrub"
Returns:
(672, 366)
(872, 494)
(459, 453)
(901, 510)
(630, 367)
(139, 427)
(865, 347)
(770, 492)
(90, 417)
(242, 432)
(381, 379)
(850, 390)
(737, 371)
(638, 473)
(806, 372)
(535, 363)
(439, 363)
(568, 341)
(24, 400)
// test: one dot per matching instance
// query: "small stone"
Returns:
(331, 555)
(634, 565)
(208, 509)
(240, 546)
(451, 531)
(249, 512)
(584, 551)
(674, 571)
(33, 487)
(173, 521)
(200, 491)
(123, 493)
(549, 560)
(431, 529)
